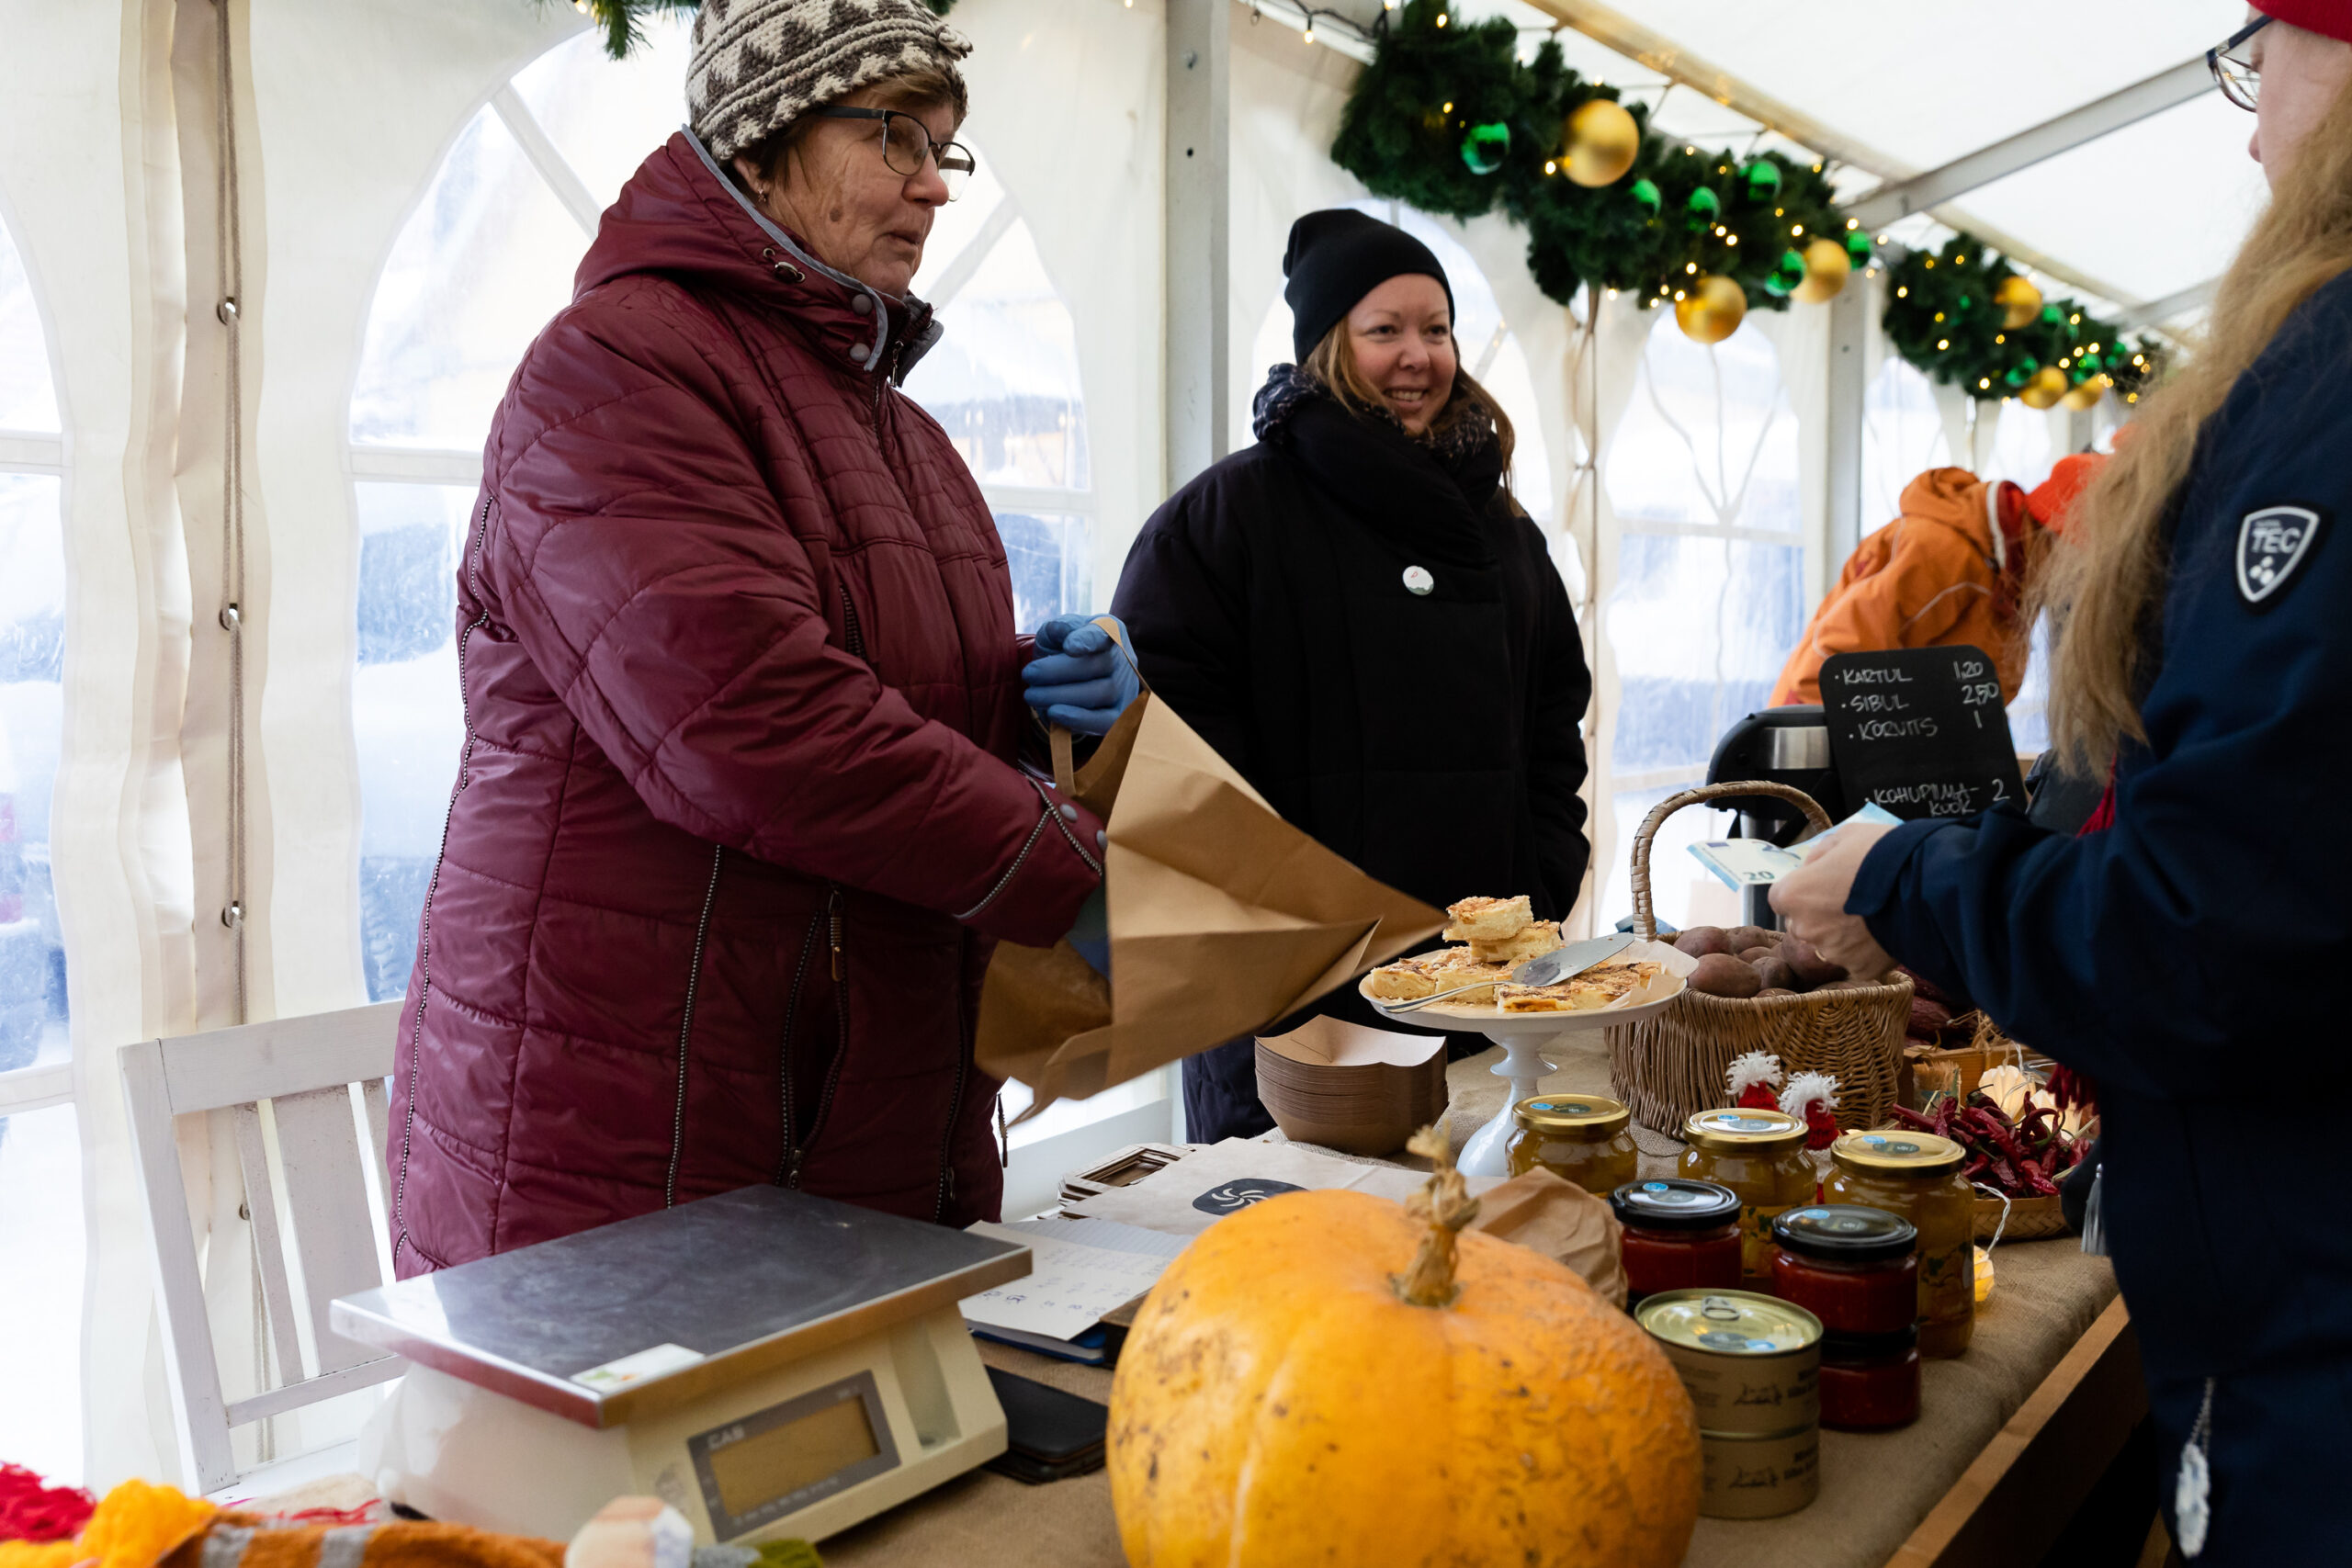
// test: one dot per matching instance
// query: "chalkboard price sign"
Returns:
(1922, 732)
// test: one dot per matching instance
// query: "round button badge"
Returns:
(1418, 580)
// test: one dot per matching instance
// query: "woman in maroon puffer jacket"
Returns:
(738, 817)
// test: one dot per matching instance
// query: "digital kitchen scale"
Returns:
(769, 1363)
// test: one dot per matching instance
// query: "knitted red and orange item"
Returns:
(31, 1509)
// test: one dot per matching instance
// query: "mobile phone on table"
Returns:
(1049, 1434)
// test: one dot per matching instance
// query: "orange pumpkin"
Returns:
(1303, 1387)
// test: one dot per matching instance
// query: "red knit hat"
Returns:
(2051, 501)
(2330, 18)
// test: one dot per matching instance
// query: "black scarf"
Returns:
(1426, 494)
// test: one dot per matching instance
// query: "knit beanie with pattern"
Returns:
(757, 65)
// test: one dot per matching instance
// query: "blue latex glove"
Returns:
(1080, 680)
(1092, 935)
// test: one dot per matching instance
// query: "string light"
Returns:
(1731, 239)
(1853, 222)
(1903, 292)
(1796, 229)
(1551, 167)
(1308, 35)
(1943, 343)
(2075, 320)
(2000, 337)
(1939, 315)
(1449, 107)
(1440, 18)
(1982, 382)
(1688, 266)
(1678, 294)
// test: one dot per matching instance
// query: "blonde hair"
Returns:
(1333, 363)
(2104, 583)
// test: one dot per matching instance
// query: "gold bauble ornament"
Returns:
(2049, 384)
(2019, 301)
(1600, 140)
(1712, 309)
(2087, 394)
(1825, 266)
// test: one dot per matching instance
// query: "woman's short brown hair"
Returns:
(925, 86)
(1333, 363)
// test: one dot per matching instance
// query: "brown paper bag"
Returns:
(1223, 918)
(1562, 1222)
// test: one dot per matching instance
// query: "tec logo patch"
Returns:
(2272, 542)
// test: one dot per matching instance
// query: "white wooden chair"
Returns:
(321, 1246)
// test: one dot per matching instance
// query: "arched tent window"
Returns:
(1003, 382)
(1710, 585)
(1903, 436)
(1488, 349)
(40, 1162)
(485, 259)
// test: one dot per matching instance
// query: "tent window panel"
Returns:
(1051, 559)
(40, 1311)
(606, 117)
(1710, 437)
(28, 397)
(2021, 449)
(1903, 436)
(407, 716)
(483, 263)
(1003, 379)
(1701, 626)
(32, 720)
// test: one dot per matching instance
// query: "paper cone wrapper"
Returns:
(1223, 918)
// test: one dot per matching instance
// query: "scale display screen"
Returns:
(776, 1461)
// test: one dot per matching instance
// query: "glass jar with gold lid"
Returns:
(1584, 1138)
(1760, 1155)
(1917, 1175)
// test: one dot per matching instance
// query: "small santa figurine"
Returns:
(1810, 1098)
(1756, 1080)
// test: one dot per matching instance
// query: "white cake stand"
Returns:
(1522, 1036)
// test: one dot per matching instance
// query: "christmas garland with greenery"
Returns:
(1945, 314)
(1449, 119)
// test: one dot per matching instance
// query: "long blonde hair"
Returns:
(1333, 363)
(2106, 581)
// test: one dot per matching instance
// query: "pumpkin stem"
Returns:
(1445, 1206)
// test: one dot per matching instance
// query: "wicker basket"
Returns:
(2030, 1219)
(1671, 1064)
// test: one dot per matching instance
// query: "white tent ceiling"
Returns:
(2143, 212)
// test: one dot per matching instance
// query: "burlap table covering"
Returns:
(1874, 1489)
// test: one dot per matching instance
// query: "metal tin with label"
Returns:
(1758, 1477)
(1751, 1363)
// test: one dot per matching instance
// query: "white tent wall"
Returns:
(90, 185)
(1067, 106)
(355, 104)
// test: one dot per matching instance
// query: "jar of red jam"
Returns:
(1679, 1236)
(1852, 1266)
(1869, 1381)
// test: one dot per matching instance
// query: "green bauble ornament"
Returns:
(1966, 304)
(2053, 316)
(1484, 148)
(1763, 177)
(1787, 275)
(2024, 370)
(2088, 366)
(1701, 210)
(1645, 195)
(1858, 246)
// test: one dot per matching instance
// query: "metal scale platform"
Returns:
(769, 1363)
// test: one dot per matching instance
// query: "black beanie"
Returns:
(1336, 257)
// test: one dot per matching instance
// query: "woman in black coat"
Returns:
(1357, 616)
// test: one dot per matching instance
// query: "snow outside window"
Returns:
(486, 258)
(1710, 591)
(41, 1157)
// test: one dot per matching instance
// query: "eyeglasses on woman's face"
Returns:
(2236, 64)
(907, 143)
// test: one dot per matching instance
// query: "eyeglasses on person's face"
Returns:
(906, 143)
(2235, 67)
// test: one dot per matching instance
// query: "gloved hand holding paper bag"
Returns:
(1223, 918)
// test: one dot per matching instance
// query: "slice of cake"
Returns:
(1546, 999)
(1461, 969)
(1407, 979)
(1533, 941)
(1488, 920)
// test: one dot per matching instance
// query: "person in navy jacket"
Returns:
(2188, 951)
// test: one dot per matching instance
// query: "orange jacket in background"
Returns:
(1949, 571)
